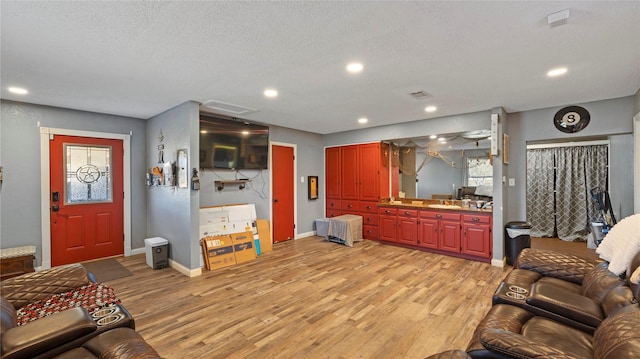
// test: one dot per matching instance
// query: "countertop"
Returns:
(433, 205)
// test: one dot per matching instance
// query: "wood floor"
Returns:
(310, 298)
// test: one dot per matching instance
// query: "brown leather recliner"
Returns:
(63, 330)
(563, 287)
(517, 331)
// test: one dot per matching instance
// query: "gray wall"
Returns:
(309, 162)
(20, 148)
(172, 212)
(609, 118)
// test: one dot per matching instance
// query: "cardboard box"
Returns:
(244, 249)
(213, 215)
(241, 212)
(218, 251)
(264, 234)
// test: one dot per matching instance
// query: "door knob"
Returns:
(275, 200)
(55, 208)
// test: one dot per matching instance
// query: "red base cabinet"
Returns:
(476, 235)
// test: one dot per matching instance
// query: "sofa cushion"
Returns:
(31, 287)
(90, 297)
(618, 336)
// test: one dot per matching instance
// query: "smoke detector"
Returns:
(558, 18)
(228, 107)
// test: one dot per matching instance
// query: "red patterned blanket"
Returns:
(91, 297)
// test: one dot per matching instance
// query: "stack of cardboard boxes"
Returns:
(231, 235)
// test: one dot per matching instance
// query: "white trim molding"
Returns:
(46, 133)
(636, 161)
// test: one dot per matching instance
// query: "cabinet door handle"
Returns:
(368, 207)
(475, 219)
(332, 204)
(406, 213)
(387, 211)
(348, 206)
(438, 216)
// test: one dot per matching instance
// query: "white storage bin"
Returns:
(156, 250)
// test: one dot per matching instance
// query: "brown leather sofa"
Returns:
(565, 288)
(74, 329)
(561, 285)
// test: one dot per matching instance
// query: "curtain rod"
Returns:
(569, 144)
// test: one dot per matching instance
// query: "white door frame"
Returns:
(636, 161)
(295, 185)
(47, 133)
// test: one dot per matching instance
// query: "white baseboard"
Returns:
(184, 270)
(499, 262)
(305, 235)
(137, 251)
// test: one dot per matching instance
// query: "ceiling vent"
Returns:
(228, 107)
(419, 95)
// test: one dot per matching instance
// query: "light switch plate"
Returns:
(512, 182)
(302, 179)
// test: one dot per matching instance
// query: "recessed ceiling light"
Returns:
(245, 132)
(433, 137)
(204, 131)
(362, 120)
(442, 139)
(557, 72)
(355, 67)
(271, 93)
(18, 90)
(430, 109)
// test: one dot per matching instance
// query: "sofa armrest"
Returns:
(563, 266)
(32, 287)
(44, 334)
(566, 304)
(515, 345)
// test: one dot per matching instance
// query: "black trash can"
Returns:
(517, 237)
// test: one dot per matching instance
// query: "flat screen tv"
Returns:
(232, 144)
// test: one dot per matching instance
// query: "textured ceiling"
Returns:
(139, 59)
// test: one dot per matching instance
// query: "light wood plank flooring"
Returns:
(310, 298)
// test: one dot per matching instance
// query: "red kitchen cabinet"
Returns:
(476, 235)
(332, 169)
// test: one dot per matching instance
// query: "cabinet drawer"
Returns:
(350, 206)
(333, 213)
(370, 232)
(388, 211)
(440, 215)
(408, 213)
(369, 219)
(333, 203)
(368, 207)
(476, 218)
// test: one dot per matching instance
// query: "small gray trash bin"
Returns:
(322, 227)
(156, 249)
(517, 237)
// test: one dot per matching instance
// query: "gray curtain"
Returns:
(577, 170)
(540, 191)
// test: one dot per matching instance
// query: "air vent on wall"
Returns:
(229, 108)
(419, 95)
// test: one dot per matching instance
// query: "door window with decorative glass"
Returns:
(88, 174)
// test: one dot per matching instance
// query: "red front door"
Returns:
(86, 198)
(282, 174)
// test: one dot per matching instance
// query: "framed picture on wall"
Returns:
(312, 182)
